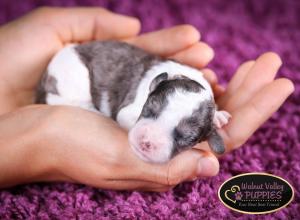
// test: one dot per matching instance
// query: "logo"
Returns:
(256, 193)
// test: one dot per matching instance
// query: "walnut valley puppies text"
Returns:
(256, 193)
(267, 191)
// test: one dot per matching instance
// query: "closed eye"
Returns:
(178, 135)
(185, 138)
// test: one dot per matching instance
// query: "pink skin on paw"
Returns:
(150, 142)
(221, 118)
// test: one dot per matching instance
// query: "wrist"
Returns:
(45, 147)
(40, 155)
(25, 153)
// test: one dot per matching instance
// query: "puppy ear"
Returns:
(157, 80)
(216, 142)
(185, 77)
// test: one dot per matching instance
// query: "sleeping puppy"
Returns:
(167, 107)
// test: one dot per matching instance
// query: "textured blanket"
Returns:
(238, 31)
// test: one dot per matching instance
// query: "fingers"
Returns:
(262, 73)
(236, 81)
(198, 55)
(83, 24)
(218, 91)
(239, 76)
(168, 41)
(256, 111)
(210, 76)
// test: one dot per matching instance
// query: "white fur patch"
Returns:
(181, 104)
(128, 115)
(160, 143)
(72, 76)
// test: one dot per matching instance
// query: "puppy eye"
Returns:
(180, 136)
(186, 137)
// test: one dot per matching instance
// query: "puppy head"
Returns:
(177, 115)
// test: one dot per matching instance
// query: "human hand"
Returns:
(252, 96)
(50, 29)
(28, 44)
(71, 144)
(84, 147)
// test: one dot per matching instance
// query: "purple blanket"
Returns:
(238, 31)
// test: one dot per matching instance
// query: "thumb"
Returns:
(84, 24)
(190, 165)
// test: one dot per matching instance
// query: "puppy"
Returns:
(167, 107)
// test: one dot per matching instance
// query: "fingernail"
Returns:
(207, 166)
(221, 88)
(194, 178)
(210, 53)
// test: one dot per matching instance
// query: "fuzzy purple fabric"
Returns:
(238, 31)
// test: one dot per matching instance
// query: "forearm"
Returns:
(22, 158)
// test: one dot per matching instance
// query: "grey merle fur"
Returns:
(46, 85)
(157, 99)
(196, 128)
(117, 68)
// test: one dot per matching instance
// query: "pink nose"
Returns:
(146, 146)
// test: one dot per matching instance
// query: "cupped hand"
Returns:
(28, 44)
(64, 143)
(71, 144)
(251, 97)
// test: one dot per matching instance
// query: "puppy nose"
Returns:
(146, 146)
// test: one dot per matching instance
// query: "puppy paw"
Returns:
(221, 118)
